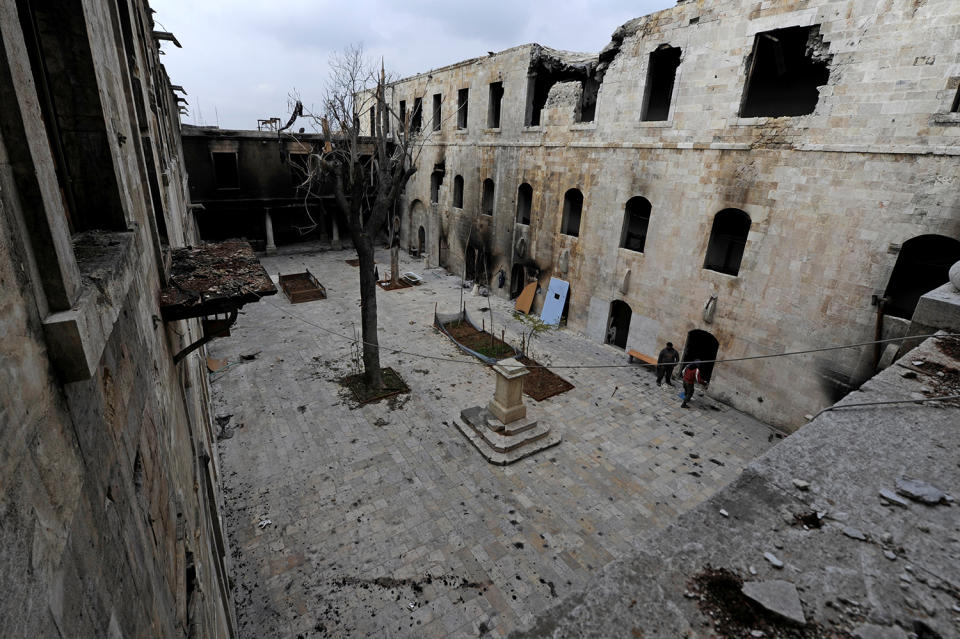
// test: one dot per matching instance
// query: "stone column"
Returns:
(507, 403)
(334, 234)
(268, 224)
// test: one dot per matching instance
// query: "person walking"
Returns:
(665, 362)
(691, 376)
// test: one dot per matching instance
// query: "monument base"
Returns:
(503, 444)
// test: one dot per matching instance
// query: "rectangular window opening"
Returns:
(225, 174)
(416, 118)
(437, 99)
(462, 99)
(661, 75)
(956, 102)
(587, 108)
(493, 109)
(784, 72)
(403, 115)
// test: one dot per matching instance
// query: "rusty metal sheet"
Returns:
(525, 299)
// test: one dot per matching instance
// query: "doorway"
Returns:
(703, 346)
(517, 280)
(618, 324)
(422, 242)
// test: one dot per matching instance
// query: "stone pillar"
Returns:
(268, 224)
(507, 403)
(334, 234)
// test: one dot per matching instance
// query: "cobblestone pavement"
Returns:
(385, 521)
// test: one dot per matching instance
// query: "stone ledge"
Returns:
(76, 337)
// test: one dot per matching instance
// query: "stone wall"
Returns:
(108, 472)
(831, 195)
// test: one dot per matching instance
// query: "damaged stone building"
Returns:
(253, 184)
(109, 478)
(739, 178)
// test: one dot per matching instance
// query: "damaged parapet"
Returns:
(582, 72)
(501, 431)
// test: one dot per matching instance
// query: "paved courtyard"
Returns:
(385, 521)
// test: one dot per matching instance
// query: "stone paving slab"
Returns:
(385, 521)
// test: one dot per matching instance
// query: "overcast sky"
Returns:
(241, 58)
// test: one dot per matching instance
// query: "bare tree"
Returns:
(367, 173)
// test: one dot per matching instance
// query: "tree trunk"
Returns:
(395, 264)
(368, 312)
(395, 251)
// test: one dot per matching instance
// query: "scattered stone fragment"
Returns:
(777, 596)
(757, 633)
(774, 561)
(921, 491)
(893, 498)
(889, 554)
(853, 533)
(917, 362)
(724, 513)
(876, 631)
(264, 523)
(886, 538)
(905, 577)
(801, 484)
(752, 570)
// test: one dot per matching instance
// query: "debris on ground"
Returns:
(778, 596)
(893, 498)
(800, 484)
(773, 559)
(264, 523)
(250, 356)
(921, 491)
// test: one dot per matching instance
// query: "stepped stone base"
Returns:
(503, 444)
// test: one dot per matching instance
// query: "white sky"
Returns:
(242, 58)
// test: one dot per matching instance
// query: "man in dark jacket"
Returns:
(665, 363)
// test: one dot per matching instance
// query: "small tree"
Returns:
(367, 173)
(531, 327)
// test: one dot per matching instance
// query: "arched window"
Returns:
(636, 217)
(486, 205)
(572, 209)
(458, 192)
(727, 240)
(922, 265)
(524, 203)
(436, 179)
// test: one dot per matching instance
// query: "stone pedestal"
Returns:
(268, 226)
(507, 403)
(501, 431)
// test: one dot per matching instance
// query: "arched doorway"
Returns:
(922, 265)
(422, 245)
(618, 324)
(703, 346)
(517, 280)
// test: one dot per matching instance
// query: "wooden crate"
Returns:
(302, 287)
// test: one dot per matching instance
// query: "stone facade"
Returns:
(860, 158)
(109, 479)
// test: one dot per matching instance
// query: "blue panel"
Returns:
(553, 305)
